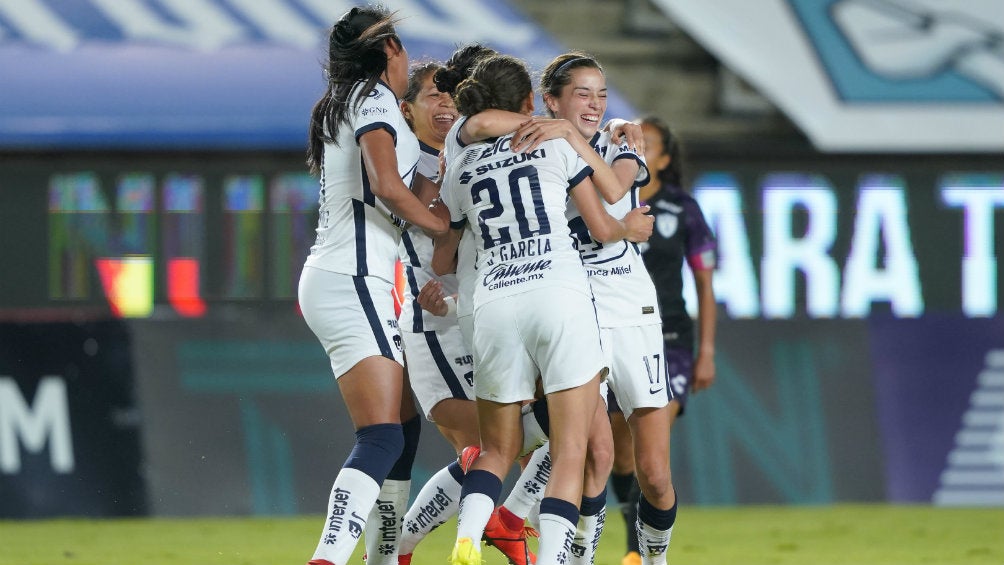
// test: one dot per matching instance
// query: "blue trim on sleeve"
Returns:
(578, 178)
(375, 126)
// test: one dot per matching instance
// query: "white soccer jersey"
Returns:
(416, 254)
(515, 205)
(466, 271)
(356, 233)
(625, 295)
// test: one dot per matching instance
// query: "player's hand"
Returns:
(639, 224)
(622, 131)
(537, 130)
(704, 373)
(432, 299)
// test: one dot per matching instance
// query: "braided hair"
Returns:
(355, 53)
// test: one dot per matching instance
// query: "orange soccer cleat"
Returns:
(468, 456)
(511, 542)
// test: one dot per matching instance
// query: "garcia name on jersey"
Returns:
(515, 205)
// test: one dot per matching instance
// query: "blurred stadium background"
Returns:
(155, 212)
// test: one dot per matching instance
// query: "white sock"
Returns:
(556, 534)
(352, 497)
(475, 511)
(653, 543)
(383, 527)
(534, 517)
(529, 488)
(437, 502)
(533, 434)
(587, 538)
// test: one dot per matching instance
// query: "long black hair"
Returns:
(673, 173)
(355, 53)
(498, 82)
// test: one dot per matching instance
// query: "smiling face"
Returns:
(583, 101)
(431, 114)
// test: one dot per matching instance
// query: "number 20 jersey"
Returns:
(515, 204)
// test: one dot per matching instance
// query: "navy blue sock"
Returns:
(401, 471)
(655, 518)
(542, 416)
(592, 505)
(621, 485)
(482, 482)
(377, 448)
(559, 507)
(456, 472)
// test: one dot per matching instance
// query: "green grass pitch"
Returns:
(751, 535)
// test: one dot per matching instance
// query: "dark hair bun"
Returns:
(473, 97)
(447, 80)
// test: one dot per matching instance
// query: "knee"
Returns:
(655, 479)
(600, 459)
(376, 450)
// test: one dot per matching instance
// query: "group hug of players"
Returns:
(528, 300)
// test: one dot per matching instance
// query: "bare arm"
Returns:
(636, 226)
(425, 189)
(490, 123)
(380, 160)
(606, 181)
(444, 253)
(704, 366)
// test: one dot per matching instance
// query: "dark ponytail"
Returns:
(355, 52)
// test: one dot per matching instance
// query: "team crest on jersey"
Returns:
(666, 224)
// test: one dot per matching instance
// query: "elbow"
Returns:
(441, 266)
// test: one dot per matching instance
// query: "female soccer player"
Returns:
(439, 365)
(438, 355)
(682, 235)
(366, 155)
(533, 312)
(573, 87)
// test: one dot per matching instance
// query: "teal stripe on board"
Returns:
(254, 366)
(289, 382)
(269, 461)
(785, 439)
(218, 350)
